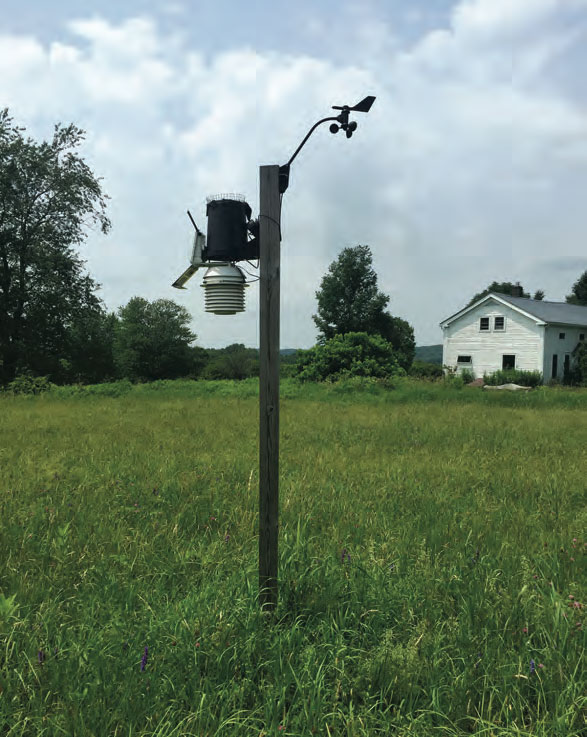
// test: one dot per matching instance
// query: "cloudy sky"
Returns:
(470, 167)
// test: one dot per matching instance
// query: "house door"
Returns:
(554, 366)
(567, 364)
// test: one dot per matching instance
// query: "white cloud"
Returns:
(466, 169)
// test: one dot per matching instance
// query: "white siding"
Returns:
(555, 345)
(522, 338)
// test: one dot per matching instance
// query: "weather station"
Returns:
(233, 238)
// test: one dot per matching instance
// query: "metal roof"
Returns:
(551, 312)
(558, 313)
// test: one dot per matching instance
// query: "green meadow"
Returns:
(432, 562)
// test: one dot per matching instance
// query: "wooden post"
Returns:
(269, 242)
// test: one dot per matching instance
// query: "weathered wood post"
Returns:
(269, 257)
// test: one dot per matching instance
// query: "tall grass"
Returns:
(431, 562)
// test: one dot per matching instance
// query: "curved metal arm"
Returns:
(284, 169)
(342, 119)
(312, 129)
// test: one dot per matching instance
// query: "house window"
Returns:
(567, 365)
(508, 362)
(561, 336)
(581, 336)
(484, 323)
(499, 323)
(554, 371)
(464, 359)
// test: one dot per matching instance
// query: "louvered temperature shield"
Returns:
(224, 290)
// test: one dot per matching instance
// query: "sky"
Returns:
(470, 167)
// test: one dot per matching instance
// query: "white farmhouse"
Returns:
(503, 332)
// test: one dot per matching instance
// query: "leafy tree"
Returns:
(48, 196)
(152, 340)
(349, 301)
(91, 348)
(579, 370)
(504, 287)
(199, 358)
(539, 295)
(579, 294)
(426, 370)
(348, 298)
(233, 362)
(401, 336)
(351, 354)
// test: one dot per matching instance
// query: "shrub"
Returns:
(454, 380)
(344, 356)
(514, 376)
(287, 370)
(111, 389)
(578, 373)
(107, 389)
(426, 370)
(467, 376)
(234, 362)
(29, 384)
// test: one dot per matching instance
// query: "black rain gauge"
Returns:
(232, 236)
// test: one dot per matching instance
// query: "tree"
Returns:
(579, 294)
(351, 354)
(153, 340)
(579, 371)
(539, 295)
(504, 287)
(91, 348)
(233, 362)
(401, 336)
(349, 301)
(48, 197)
(348, 298)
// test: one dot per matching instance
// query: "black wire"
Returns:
(247, 273)
(273, 220)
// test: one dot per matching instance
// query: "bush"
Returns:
(467, 376)
(578, 373)
(426, 370)
(287, 370)
(235, 362)
(345, 356)
(514, 376)
(29, 384)
(108, 389)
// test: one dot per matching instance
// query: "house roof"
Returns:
(558, 313)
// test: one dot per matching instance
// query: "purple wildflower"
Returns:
(226, 537)
(41, 656)
(144, 658)
(345, 556)
(532, 666)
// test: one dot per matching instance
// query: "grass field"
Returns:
(432, 557)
